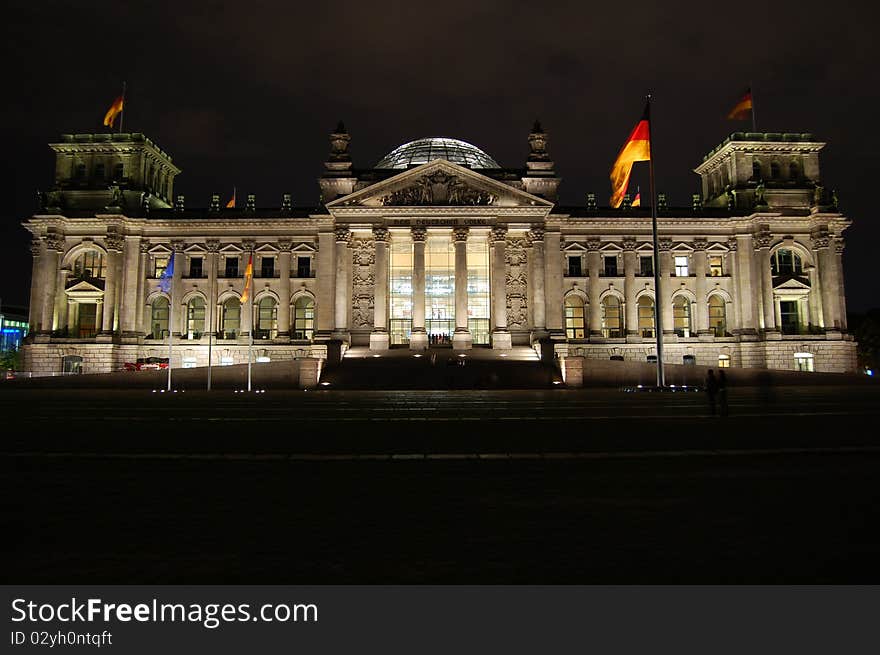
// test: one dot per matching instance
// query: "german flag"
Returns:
(743, 108)
(637, 201)
(231, 203)
(248, 276)
(636, 148)
(114, 111)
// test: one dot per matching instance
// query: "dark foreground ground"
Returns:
(553, 486)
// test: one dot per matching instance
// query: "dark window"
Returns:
(610, 266)
(788, 313)
(232, 267)
(195, 267)
(99, 172)
(574, 266)
(689, 360)
(80, 172)
(793, 171)
(646, 266)
(303, 266)
(774, 171)
(118, 172)
(756, 170)
(267, 267)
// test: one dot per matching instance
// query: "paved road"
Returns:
(558, 486)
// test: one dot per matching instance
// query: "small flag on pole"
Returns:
(636, 148)
(248, 275)
(167, 276)
(231, 203)
(114, 111)
(637, 201)
(743, 109)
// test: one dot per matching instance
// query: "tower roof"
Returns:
(421, 151)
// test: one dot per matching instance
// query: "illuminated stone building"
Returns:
(438, 245)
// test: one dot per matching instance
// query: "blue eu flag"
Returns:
(167, 276)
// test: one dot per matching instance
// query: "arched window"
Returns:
(794, 171)
(717, 315)
(267, 319)
(574, 317)
(89, 265)
(774, 170)
(304, 318)
(159, 318)
(756, 170)
(230, 322)
(646, 316)
(612, 319)
(786, 262)
(681, 316)
(195, 318)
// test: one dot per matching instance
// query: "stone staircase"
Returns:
(440, 368)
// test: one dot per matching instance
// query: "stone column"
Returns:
(212, 249)
(630, 261)
(325, 282)
(553, 284)
(49, 278)
(60, 321)
(536, 277)
(747, 301)
(112, 283)
(141, 300)
(179, 311)
(129, 306)
(247, 307)
(595, 287)
(700, 319)
(500, 333)
(379, 337)
(461, 338)
(732, 311)
(418, 339)
(762, 251)
(827, 281)
(72, 318)
(35, 308)
(343, 283)
(99, 314)
(284, 247)
(838, 267)
(663, 299)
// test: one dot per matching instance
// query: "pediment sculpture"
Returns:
(438, 188)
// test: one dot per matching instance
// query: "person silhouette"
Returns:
(722, 392)
(711, 390)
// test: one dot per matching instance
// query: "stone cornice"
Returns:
(760, 147)
(377, 214)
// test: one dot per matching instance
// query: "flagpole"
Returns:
(251, 334)
(170, 337)
(658, 323)
(211, 318)
(754, 115)
(122, 110)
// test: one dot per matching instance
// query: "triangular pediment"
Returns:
(439, 183)
(792, 283)
(85, 290)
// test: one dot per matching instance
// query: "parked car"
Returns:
(147, 364)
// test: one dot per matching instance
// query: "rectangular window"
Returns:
(788, 313)
(723, 361)
(439, 289)
(267, 267)
(231, 267)
(160, 263)
(400, 289)
(803, 362)
(304, 267)
(574, 266)
(195, 267)
(610, 266)
(715, 269)
(478, 288)
(681, 266)
(646, 266)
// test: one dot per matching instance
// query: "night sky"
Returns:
(245, 93)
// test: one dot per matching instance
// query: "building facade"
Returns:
(438, 245)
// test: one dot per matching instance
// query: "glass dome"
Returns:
(421, 151)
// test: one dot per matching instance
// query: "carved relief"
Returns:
(537, 234)
(363, 257)
(212, 245)
(343, 234)
(55, 241)
(664, 245)
(381, 234)
(593, 244)
(731, 244)
(629, 243)
(284, 245)
(114, 242)
(419, 234)
(460, 234)
(439, 188)
(36, 247)
(517, 284)
(700, 244)
(499, 233)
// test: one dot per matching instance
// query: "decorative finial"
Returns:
(340, 128)
(536, 128)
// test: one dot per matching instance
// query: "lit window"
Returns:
(230, 319)
(267, 319)
(717, 315)
(195, 318)
(612, 320)
(160, 263)
(803, 362)
(189, 362)
(681, 316)
(89, 266)
(681, 266)
(574, 317)
(715, 268)
(723, 361)
(159, 318)
(646, 316)
(303, 318)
